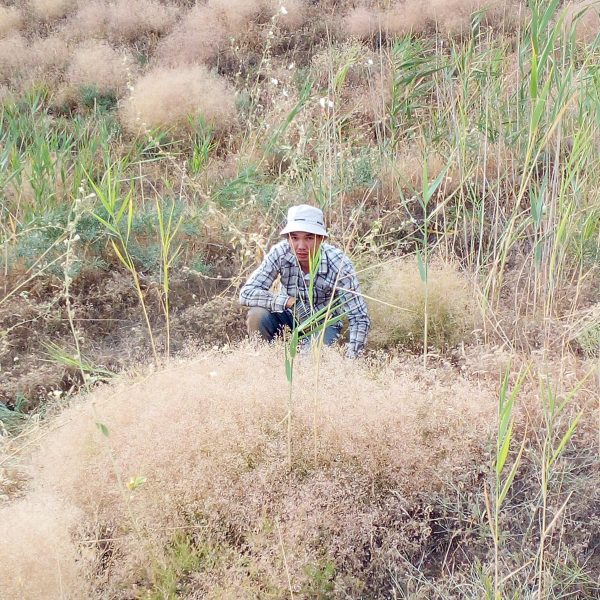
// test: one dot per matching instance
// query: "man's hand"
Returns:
(290, 302)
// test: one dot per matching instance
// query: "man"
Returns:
(335, 284)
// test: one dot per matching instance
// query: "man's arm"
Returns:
(355, 308)
(255, 291)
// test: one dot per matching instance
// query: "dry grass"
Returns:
(50, 10)
(452, 310)
(451, 17)
(395, 443)
(128, 21)
(44, 523)
(168, 98)
(97, 64)
(11, 20)
(215, 451)
(14, 57)
(403, 175)
(89, 22)
(208, 29)
(49, 57)
(121, 21)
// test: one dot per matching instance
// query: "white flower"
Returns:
(274, 81)
(326, 102)
(291, 66)
(283, 10)
(370, 62)
(77, 237)
(285, 93)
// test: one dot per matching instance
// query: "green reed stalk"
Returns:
(119, 210)
(553, 446)
(168, 229)
(427, 193)
(502, 481)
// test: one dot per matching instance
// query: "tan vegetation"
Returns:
(128, 21)
(209, 29)
(174, 98)
(390, 441)
(450, 306)
(416, 16)
(149, 152)
(50, 10)
(13, 56)
(11, 20)
(121, 21)
(98, 65)
(45, 523)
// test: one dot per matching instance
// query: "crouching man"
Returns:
(334, 284)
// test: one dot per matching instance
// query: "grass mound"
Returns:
(177, 484)
(446, 302)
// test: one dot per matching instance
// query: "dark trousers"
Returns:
(270, 325)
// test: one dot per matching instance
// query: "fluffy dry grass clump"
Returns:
(14, 57)
(452, 311)
(50, 10)
(452, 17)
(208, 29)
(402, 174)
(121, 21)
(11, 20)
(130, 20)
(209, 438)
(97, 64)
(49, 59)
(203, 447)
(88, 22)
(39, 559)
(189, 480)
(173, 99)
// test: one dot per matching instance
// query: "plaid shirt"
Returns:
(335, 278)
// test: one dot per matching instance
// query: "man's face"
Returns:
(305, 246)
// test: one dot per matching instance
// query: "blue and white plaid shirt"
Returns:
(335, 278)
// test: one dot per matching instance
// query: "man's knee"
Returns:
(257, 320)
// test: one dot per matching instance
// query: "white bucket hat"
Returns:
(305, 218)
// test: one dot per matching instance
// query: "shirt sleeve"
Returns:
(355, 308)
(256, 291)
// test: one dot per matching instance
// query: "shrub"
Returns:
(49, 59)
(587, 333)
(38, 557)
(121, 20)
(89, 22)
(14, 57)
(175, 98)
(295, 15)
(403, 176)
(49, 53)
(207, 30)
(130, 20)
(452, 311)
(97, 64)
(50, 10)
(452, 17)
(206, 437)
(10, 20)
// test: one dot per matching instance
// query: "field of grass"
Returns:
(149, 151)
